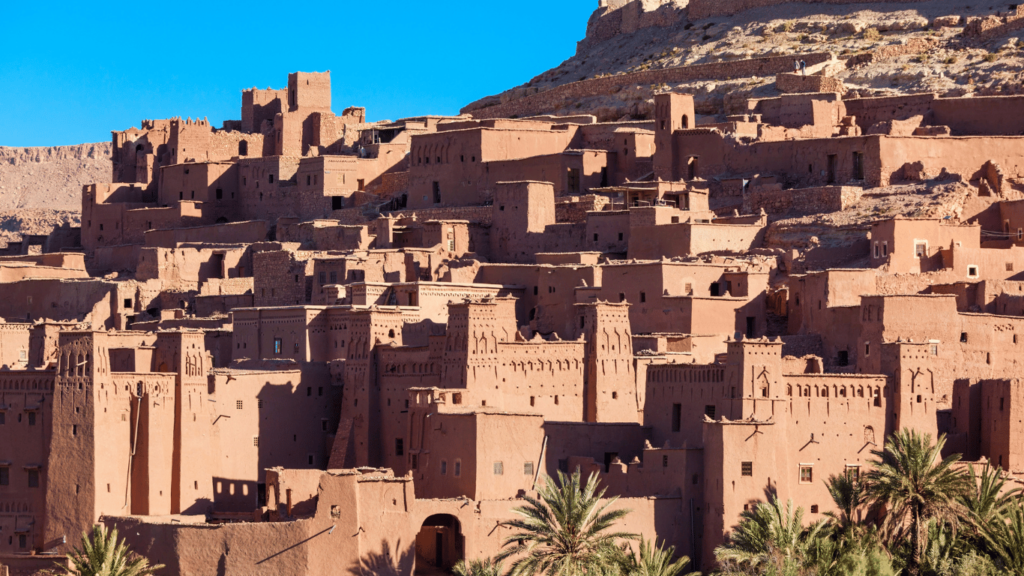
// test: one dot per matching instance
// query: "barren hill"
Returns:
(42, 187)
(635, 48)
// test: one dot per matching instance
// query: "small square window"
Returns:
(806, 474)
(278, 346)
(238, 404)
(709, 411)
(814, 508)
(499, 468)
(528, 468)
(310, 459)
(256, 441)
(972, 271)
(853, 472)
(664, 461)
(31, 418)
(5, 476)
(33, 479)
(963, 337)
(746, 468)
(458, 468)
(444, 467)
(399, 447)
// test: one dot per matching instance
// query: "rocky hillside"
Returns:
(53, 177)
(41, 188)
(883, 48)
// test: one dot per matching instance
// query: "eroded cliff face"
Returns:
(51, 177)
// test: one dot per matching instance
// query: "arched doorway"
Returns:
(439, 545)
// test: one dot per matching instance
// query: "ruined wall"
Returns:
(799, 84)
(804, 201)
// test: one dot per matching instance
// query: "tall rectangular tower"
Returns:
(672, 112)
(610, 380)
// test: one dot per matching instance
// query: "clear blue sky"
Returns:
(72, 71)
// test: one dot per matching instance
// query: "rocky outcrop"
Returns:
(51, 177)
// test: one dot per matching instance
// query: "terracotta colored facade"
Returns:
(306, 341)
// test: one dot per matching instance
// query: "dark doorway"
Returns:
(609, 457)
(831, 168)
(439, 545)
(751, 326)
(439, 549)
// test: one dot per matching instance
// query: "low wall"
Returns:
(557, 97)
(790, 83)
(994, 26)
(575, 208)
(805, 201)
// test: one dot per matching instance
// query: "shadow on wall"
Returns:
(200, 506)
(385, 562)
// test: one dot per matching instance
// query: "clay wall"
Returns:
(803, 201)
(78, 300)
(957, 155)
(213, 183)
(522, 212)
(555, 291)
(1002, 404)
(698, 298)
(806, 162)
(477, 454)
(456, 164)
(896, 243)
(971, 264)
(689, 239)
(280, 278)
(798, 84)
(230, 233)
(188, 267)
(575, 208)
(25, 436)
(278, 418)
(260, 106)
(823, 111)
(388, 540)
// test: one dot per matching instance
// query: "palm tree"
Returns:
(848, 495)
(914, 483)
(485, 567)
(103, 554)
(653, 560)
(987, 500)
(1005, 539)
(566, 531)
(769, 539)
